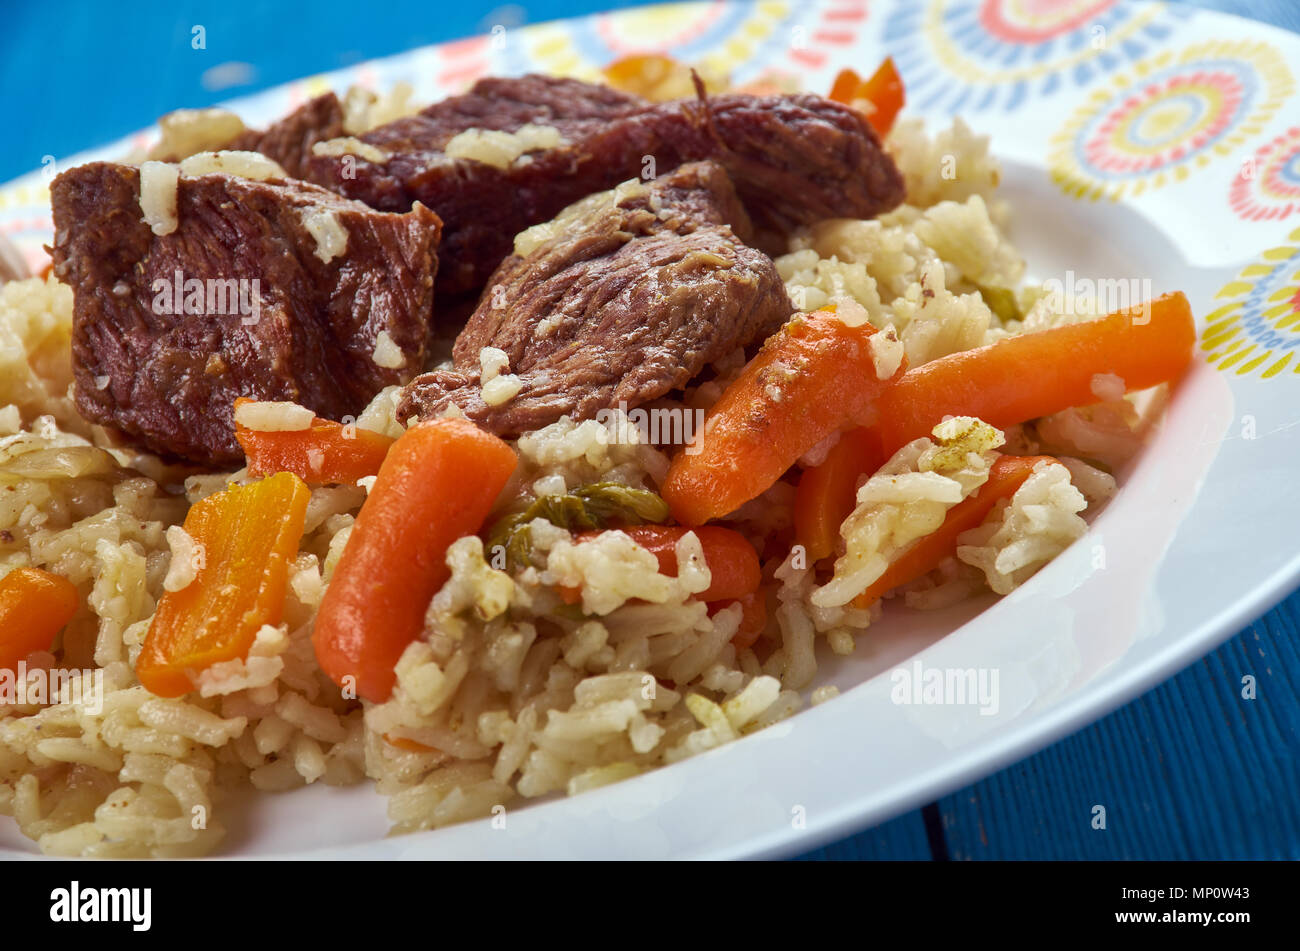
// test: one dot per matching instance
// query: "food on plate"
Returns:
(1006, 475)
(309, 298)
(1133, 349)
(34, 607)
(512, 153)
(436, 485)
(322, 453)
(880, 96)
(622, 298)
(241, 541)
(813, 377)
(289, 142)
(712, 381)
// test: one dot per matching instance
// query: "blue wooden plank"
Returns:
(1191, 770)
(903, 838)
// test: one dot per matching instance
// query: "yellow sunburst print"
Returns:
(1174, 113)
(1257, 330)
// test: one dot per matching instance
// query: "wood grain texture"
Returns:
(1191, 770)
(903, 838)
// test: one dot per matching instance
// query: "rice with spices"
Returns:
(513, 692)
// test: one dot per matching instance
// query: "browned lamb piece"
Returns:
(794, 160)
(280, 314)
(289, 141)
(624, 297)
(507, 104)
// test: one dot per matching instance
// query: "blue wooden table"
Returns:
(1187, 771)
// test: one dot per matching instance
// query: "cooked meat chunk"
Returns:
(490, 203)
(625, 296)
(794, 160)
(507, 105)
(290, 140)
(271, 290)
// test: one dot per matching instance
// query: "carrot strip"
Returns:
(880, 97)
(328, 452)
(827, 494)
(753, 619)
(247, 536)
(733, 564)
(811, 378)
(34, 607)
(1037, 374)
(1006, 475)
(437, 484)
(884, 90)
(846, 84)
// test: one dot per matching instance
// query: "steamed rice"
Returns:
(512, 694)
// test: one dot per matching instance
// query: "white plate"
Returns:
(1140, 142)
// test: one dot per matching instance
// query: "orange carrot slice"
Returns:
(328, 452)
(1037, 374)
(827, 493)
(733, 564)
(845, 86)
(811, 377)
(880, 96)
(407, 744)
(34, 607)
(752, 621)
(1006, 475)
(248, 535)
(641, 74)
(437, 484)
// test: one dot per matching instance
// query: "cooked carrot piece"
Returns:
(1006, 475)
(328, 452)
(641, 73)
(753, 617)
(880, 96)
(1037, 374)
(811, 378)
(247, 536)
(884, 90)
(34, 607)
(733, 564)
(845, 86)
(827, 493)
(437, 484)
